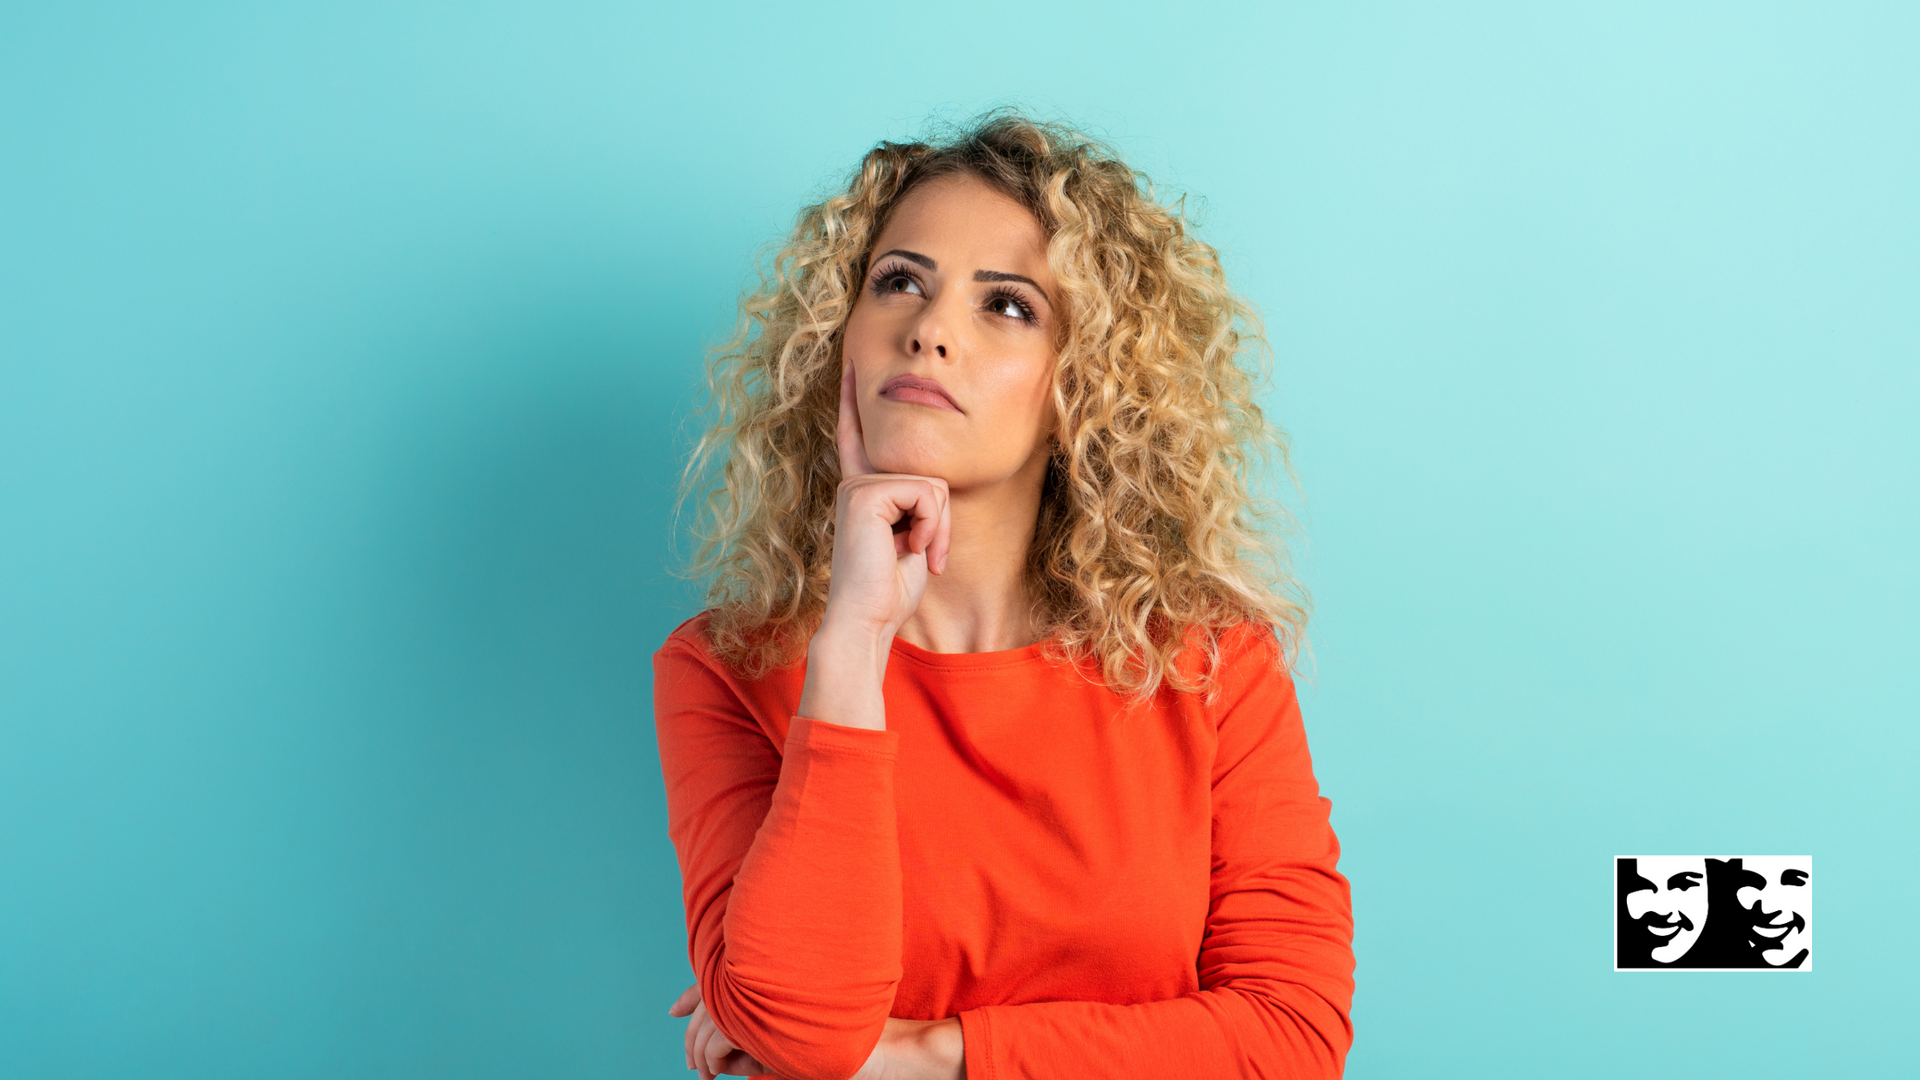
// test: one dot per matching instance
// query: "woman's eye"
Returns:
(900, 283)
(1008, 306)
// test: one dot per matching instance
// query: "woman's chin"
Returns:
(910, 467)
(913, 461)
(963, 468)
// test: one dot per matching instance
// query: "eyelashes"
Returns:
(898, 278)
(1006, 296)
(889, 273)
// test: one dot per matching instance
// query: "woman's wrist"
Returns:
(853, 640)
(923, 1050)
(943, 1050)
(846, 667)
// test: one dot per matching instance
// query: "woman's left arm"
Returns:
(1276, 964)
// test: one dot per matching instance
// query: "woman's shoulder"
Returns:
(726, 643)
(1251, 701)
(687, 657)
(689, 646)
(693, 655)
(691, 651)
(1253, 638)
(691, 634)
(1223, 656)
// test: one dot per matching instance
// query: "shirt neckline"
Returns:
(970, 660)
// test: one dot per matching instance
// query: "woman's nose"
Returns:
(931, 335)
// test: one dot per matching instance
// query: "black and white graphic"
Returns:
(1713, 913)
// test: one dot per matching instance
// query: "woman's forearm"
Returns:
(806, 961)
(790, 858)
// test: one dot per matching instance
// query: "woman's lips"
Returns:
(1663, 931)
(918, 390)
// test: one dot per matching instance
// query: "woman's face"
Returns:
(952, 340)
(1675, 908)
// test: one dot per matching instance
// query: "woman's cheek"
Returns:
(1017, 385)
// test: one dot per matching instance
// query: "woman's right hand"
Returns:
(708, 1048)
(889, 530)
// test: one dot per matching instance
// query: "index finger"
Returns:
(685, 1002)
(852, 442)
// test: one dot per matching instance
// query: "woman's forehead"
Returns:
(968, 217)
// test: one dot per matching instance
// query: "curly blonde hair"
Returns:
(1151, 538)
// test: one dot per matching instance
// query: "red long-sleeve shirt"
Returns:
(1095, 890)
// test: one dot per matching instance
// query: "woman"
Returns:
(985, 760)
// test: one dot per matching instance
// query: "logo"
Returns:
(1708, 913)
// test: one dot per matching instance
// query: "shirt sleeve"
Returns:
(1276, 962)
(790, 871)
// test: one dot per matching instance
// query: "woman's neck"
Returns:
(981, 604)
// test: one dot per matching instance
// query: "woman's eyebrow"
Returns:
(1001, 275)
(912, 256)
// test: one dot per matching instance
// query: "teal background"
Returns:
(342, 357)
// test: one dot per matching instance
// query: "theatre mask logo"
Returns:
(1711, 913)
